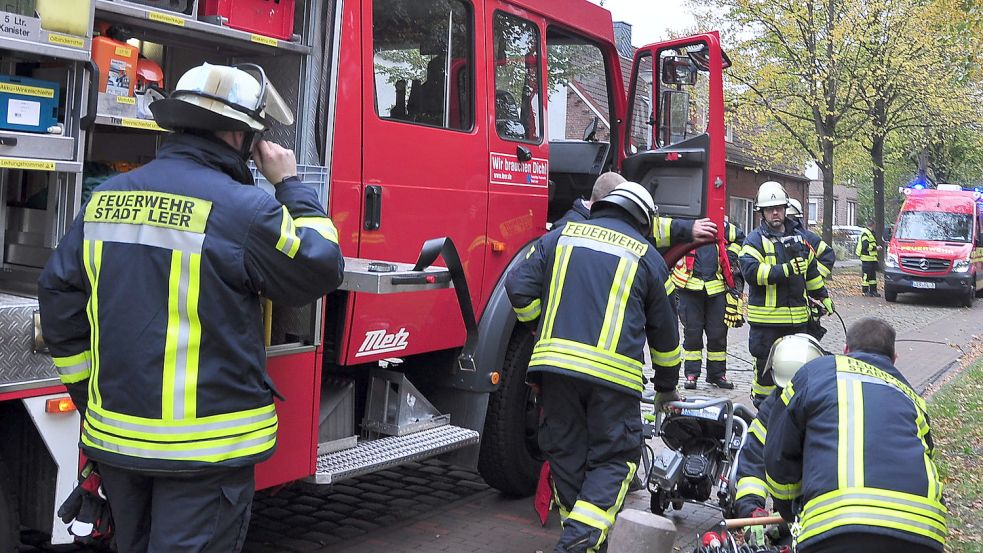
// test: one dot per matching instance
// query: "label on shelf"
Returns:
(269, 41)
(20, 27)
(65, 40)
(23, 112)
(129, 100)
(24, 90)
(146, 124)
(165, 18)
(29, 164)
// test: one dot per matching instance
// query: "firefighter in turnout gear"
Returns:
(786, 357)
(825, 255)
(850, 453)
(580, 210)
(867, 249)
(703, 296)
(151, 306)
(597, 291)
(782, 273)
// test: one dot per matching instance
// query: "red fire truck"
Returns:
(439, 134)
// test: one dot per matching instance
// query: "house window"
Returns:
(729, 133)
(835, 213)
(851, 213)
(813, 215)
(742, 213)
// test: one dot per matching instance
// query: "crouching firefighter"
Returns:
(151, 306)
(597, 291)
(850, 453)
(787, 356)
(703, 300)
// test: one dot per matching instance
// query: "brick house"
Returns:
(844, 205)
(574, 105)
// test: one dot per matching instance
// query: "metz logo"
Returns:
(377, 341)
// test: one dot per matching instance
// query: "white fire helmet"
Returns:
(771, 194)
(634, 199)
(789, 353)
(794, 208)
(222, 98)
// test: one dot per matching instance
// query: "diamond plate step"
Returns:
(372, 455)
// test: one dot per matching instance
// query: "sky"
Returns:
(650, 19)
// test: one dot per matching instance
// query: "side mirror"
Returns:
(679, 70)
(591, 131)
(675, 116)
(888, 231)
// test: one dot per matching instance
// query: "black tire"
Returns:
(509, 459)
(9, 522)
(970, 296)
(890, 295)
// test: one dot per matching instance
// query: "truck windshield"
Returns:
(934, 225)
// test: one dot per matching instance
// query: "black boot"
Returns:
(873, 292)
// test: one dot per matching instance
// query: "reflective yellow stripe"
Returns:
(92, 260)
(564, 511)
(184, 430)
(764, 270)
(289, 242)
(666, 358)
(580, 365)
(74, 368)
(613, 305)
(592, 516)
(529, 312)
(693, 355)
(662, 232)
(749, 485)
(759, 389)
(212, 450)
(753, 252)
(814, 283)
(787, 492)
(322, 225)
(788, 393)
(630, 367)
(171, 340)
(877, 497)
(824, 271)
(194, 338)
(874, 507)
(778, 315)
(758, 430)
(716, 355)
(670, 287)
(560, 263)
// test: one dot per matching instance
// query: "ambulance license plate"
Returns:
(923, 284)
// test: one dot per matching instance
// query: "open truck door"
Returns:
(674, 129)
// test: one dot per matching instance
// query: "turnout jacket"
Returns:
(700, 269)
(849, 442)
(866, 246)
(151, 306)
(597, 290)
(752, 489)
(777, 296)
(577, 213)
(825, 255)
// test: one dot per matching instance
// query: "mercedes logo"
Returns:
(923, 264)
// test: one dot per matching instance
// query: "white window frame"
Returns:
(851, 213)
(746, 206)
(813, 216)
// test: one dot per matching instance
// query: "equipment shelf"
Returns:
(164, 26)
(54, 45)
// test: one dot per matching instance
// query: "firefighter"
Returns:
(580, 210)
(786, 357)
(597, 291)
(703, 299)
(825, 255)
(151, 306)
(867, 249)
(781, 272)
(850, 453)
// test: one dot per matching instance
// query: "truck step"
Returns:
(372, 455)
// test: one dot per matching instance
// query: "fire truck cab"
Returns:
(440, 135)
(937, 245)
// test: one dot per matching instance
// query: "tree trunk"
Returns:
(827, 168)
(877, 162)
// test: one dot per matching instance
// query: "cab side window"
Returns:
(423, 59)
(518, 86)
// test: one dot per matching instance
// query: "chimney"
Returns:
(622, 39)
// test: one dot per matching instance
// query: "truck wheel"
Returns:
(9, 524)
(890, 294)
(510, 459)
(970, 296)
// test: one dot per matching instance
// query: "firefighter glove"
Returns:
(828, 305)
(734, 311)
(797, 266)
(662, 398)
(86, 510)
